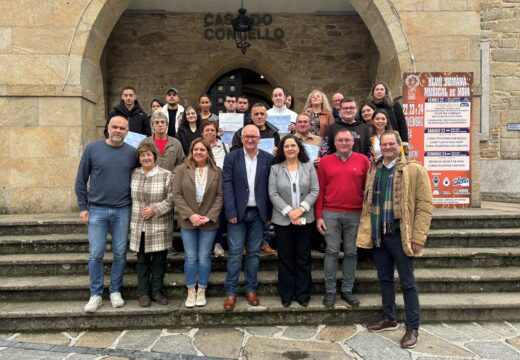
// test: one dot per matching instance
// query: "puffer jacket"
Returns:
(416, 206)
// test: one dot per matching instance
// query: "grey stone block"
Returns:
(178, 344)
(299, 332)
(374, 347)
(138, 339)
(493, 350)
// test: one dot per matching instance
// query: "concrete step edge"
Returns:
(369, 302)
(60, 258)
(59, 282)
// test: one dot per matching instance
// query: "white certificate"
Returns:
(134, 139)
(266, 144)
(281, 122)
(312, 151)
(230, 121)
(227, 137)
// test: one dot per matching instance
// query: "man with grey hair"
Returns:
(336, 100)
(105, 206)
(248, 209)
(169, 148)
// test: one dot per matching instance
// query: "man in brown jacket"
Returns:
(396, 216)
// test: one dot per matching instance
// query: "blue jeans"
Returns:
(387, 257)
(103, 220)
(197, 248)
(249, 233)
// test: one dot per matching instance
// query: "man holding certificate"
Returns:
(311, 142)
(267, 131)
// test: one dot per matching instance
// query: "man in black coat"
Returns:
(130, 109)
(359, 129)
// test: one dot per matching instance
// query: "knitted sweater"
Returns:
(341, 183)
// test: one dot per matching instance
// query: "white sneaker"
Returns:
(116, 299)
(94, 302)
(218, 251)
(201, 297)
(191, 299)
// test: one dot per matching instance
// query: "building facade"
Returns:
(64, 62)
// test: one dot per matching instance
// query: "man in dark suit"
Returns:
(245, 180)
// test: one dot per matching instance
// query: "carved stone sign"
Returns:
(217, 26)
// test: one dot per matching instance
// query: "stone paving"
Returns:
(461, 341)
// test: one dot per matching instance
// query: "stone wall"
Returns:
(156, 51)
(54, 80)
(500, 22)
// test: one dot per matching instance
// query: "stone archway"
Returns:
(99, 19)
(254, 60)
(383, 22)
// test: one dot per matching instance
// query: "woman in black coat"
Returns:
(381, 97)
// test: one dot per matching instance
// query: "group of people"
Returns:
(361, 192)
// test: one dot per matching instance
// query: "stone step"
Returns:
(69, 223)
(69, 315)
(477, 218)
(78, 243)
(76, 263)
(509, 237)
(76, 287)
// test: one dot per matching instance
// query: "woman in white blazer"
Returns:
(293, 190)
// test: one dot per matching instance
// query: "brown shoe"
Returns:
(383, 325)
(160, 299)
(252, 299)
(409, 339)
(144, 300)
(229, 302)
(267, 250)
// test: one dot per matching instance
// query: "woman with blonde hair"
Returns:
(197, 193)
(318, 108)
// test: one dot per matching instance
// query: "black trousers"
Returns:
(294, 261)
(151, 268)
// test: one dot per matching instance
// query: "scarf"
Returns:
(382, 216)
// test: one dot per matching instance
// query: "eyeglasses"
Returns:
(250, 137)
(349, 108)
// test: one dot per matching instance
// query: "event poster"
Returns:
(438, 113)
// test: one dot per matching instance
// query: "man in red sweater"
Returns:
(342, 178)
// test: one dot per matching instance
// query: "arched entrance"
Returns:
(239, 82)
(379, 17)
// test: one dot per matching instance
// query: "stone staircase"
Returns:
(470, 271)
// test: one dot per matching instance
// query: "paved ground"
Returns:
(436, 341)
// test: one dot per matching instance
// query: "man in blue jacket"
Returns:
(247, 207)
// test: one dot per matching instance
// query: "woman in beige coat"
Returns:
(151, 226)
(197, 193)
